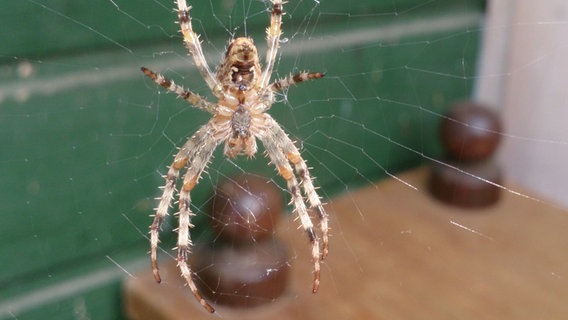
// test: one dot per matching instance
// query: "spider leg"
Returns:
(198, 164)
(293, 155)
(191, 40)
(272, 41)
(306, 181)
(194, 99)
(274, 138)
(284, 83)
(182, 157)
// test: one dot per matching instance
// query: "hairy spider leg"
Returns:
(194, 170)
(273, 138)
(273, 34)
(191, 41)
(284, 83)
(189, 152)
(192, 98)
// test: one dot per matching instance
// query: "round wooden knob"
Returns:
(467, 176)
(246, 266)
(243, 276)
(245, 209)
(467, 188)
(470, 132)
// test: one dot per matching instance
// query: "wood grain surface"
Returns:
(398, 254)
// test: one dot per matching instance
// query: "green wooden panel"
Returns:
(40, 28)
(85, 136)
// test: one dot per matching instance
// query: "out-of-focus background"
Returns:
(85, 137)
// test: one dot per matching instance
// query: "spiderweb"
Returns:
(86, 138)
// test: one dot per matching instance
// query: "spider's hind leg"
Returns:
(273, 33)
(191, 41)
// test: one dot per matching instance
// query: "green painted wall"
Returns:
(85, 136)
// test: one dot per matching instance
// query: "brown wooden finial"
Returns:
(468, 176)
(246, 265)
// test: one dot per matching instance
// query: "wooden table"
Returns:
(398, 254)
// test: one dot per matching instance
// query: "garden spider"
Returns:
(244, 94)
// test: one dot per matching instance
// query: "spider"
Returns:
(244, 93)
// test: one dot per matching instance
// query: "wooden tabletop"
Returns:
(398, 254)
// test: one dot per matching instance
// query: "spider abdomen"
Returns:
(241, 68)
(242, 75)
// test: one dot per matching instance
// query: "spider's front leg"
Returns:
(275, 142)
(197, 151)
(293, 155)
(180, 160)
(198, 164)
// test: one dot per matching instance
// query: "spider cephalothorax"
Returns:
(240, 140)
(244, 93)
